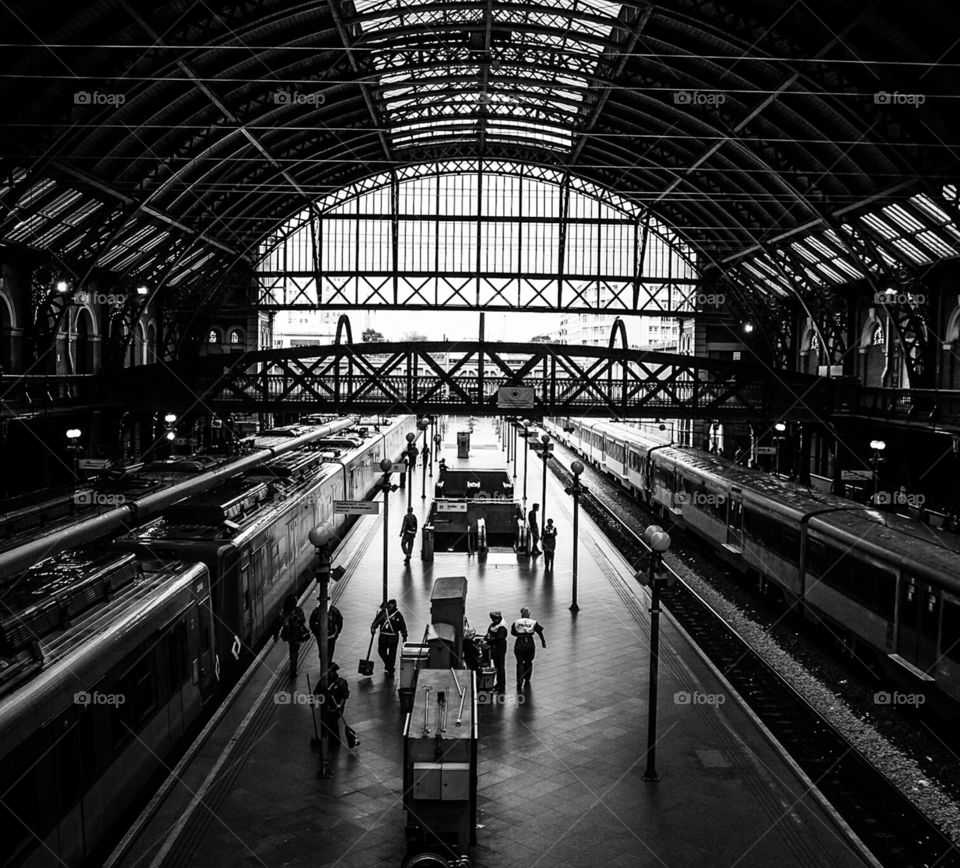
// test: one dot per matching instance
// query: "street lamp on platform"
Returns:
(526, 459)
(74, 448)
(386, 465)
(321, 538)
(424, 423)
(875, 461)
(780, 428)
(576, 489)
(411, 457)
(658, 543)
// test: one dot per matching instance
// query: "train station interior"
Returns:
(470, 433)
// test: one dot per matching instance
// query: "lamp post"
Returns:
(513, 435)
(321, 537)
(386, 465)
(576, 490)
(875, 461)
(526, 459)
(74, 447)
(779, 428)
(659, 542)
(545, 455)
(411, 457)
(423, 423)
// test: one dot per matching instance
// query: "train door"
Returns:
(918, 622)
(258, 569)
(735, 518)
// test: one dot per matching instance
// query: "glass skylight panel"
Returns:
(934, 242)
(880, 226)
(925, 204)
(36, 192)
(902, 218)
(911, 250)
(514, 81)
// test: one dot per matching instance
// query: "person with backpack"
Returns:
(334, 628)
(548, 540)
(525, 649)
(292, 629)
(408, 533)
(392, 627)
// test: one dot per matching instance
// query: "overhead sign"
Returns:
(766, 450)
(450, 506)
(356, 507)
(856, 475)
(515, 397)
(399, 468)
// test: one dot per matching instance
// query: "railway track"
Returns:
(891, 826)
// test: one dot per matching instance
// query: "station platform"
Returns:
(561, 767)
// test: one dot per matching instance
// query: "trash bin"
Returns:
(463, 444)
(426, 543)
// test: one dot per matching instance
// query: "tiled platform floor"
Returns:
(560, 774)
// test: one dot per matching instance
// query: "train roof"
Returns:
(77, 656)
(917, 546)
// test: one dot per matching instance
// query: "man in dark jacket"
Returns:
(334, 628)
(497, 642)
(408, 533)
(392, 627)
(333, 692)
(533, 525)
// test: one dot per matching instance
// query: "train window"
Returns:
(950, 631)
(930, 616)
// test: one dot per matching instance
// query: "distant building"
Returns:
(312, 328)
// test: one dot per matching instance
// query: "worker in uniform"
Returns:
(525, 649)
(291, 627)
(408, 533)
(497, 643)
(533, 524)
(392, 627)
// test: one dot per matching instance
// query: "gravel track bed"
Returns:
(899, 744)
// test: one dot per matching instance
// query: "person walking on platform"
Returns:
(392, 627)
(549, 543)
(525, 648)
(497, 642)
(408, 533)
(533, 525)
(334, 628)
(333, 692)
(292, 629)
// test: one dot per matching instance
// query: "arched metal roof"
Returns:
(166, 141)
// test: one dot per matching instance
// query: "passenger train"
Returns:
(112, 656)
(886, 583)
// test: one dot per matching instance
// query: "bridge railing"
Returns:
(928, 405)
(46, 390)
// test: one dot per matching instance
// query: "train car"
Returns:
(108, 669)
(252, 533)
(897, 582)
(887, 583)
